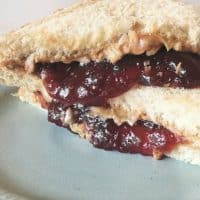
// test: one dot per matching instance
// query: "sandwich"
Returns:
(123, 74)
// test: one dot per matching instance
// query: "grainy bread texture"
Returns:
(174, 108)
(97, 29)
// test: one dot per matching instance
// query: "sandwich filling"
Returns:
(76, 88)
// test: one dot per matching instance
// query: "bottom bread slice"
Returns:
(187, 152)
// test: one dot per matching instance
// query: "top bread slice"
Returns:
(103, 29)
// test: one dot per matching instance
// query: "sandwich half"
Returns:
(124, 74)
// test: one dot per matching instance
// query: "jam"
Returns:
(77, 86)
(94, 83)
(143, 137)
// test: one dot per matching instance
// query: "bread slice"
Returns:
(189, 152)
(97, 29)
(104, 29)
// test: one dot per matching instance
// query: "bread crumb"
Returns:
(157, 154)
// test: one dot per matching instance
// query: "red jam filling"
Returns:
(71, 85)
(143, 137)
(94, 83)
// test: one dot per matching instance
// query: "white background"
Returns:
(14, 13)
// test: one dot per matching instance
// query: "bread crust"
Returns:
(99, 29)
